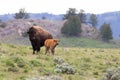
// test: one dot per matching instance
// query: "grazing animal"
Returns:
(37, 37)
(50, 44)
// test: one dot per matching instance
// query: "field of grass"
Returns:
(65, 42)
(18, 62)
(85, 43)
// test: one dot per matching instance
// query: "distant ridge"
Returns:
(48, 16)
(111, 17)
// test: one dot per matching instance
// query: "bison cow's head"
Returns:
(31, 33)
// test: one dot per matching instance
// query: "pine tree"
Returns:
(82, 16)
(70, 12)
(93, 20)
(72, 27)
(106, 32)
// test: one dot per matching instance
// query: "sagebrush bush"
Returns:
(58, 60)
(63, 67)
(112, 74)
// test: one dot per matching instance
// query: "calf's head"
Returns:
(56, 41)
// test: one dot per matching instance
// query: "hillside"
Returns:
(110, 17)
(13, 30)
(18, 63)
(18, 27)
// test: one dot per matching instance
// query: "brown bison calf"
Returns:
(37, 36)
(50, 44)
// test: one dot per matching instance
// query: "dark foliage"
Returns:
(72, 27)
(106, 32)
(70, 12)
(21, 14)
(82, 16)
(93, 20)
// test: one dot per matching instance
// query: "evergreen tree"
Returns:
(72, 27)
(21, 14)
(106, 32)
(93, 20)
(82, 16)
(70, 12)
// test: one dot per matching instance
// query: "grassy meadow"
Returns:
(89, 58)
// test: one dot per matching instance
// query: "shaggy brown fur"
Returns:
(50, 44)
(37, 36)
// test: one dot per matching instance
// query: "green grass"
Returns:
(85, 43)
(18, 62)
(65, 42)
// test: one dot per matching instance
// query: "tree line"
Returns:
(72, 26)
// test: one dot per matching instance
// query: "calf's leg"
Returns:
(46, 50)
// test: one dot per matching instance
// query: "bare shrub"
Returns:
(3, 24)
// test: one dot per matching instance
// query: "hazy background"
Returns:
(58, 6)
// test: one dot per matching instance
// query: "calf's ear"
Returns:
(56, 40)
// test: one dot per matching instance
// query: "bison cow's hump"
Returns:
(41, 33)
(39, 28)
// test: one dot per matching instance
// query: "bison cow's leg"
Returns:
(33, 52)
(34, 49)
(38, 49)
(33, 46)
(38, 46)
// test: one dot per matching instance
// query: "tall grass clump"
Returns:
(35, 63)
(14, 64)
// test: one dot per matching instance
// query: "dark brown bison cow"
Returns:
(37, 36)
